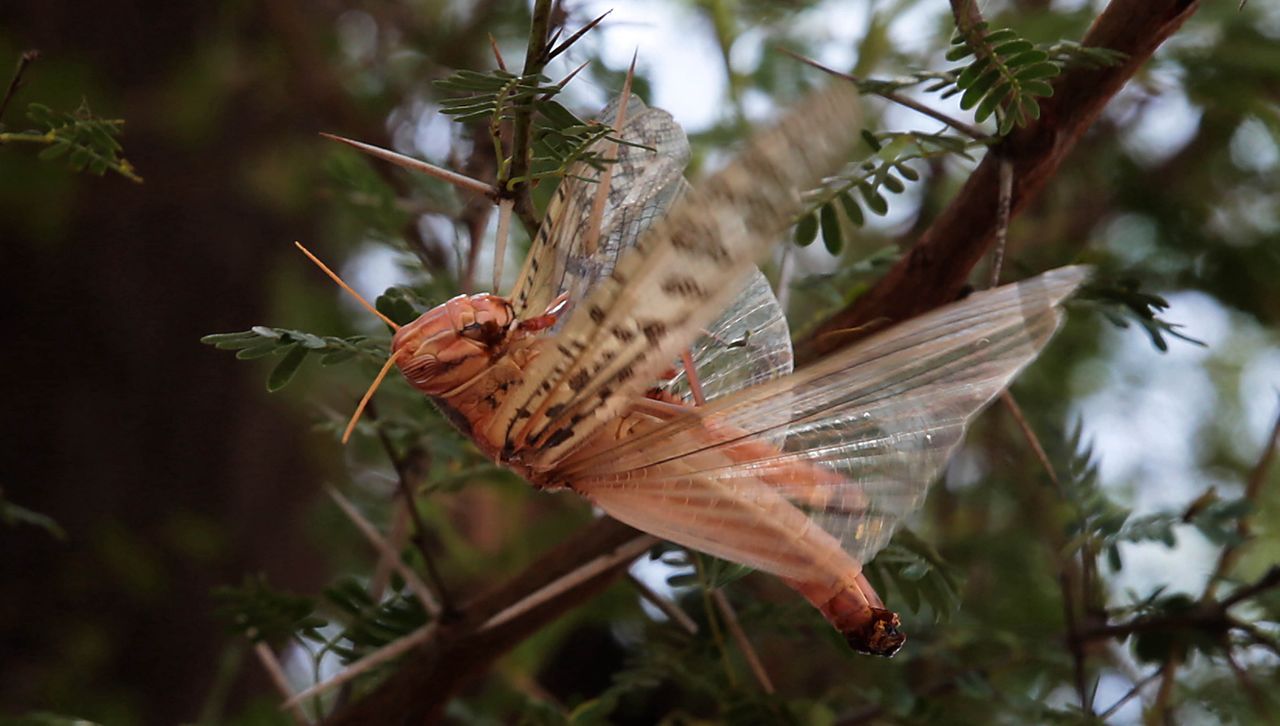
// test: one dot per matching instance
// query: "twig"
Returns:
(535, 59)
(275, 672)
(740, 637)
(384, 548)
(1034, 441)
(1002, 219)
(1231, 551)
(403, 477)
(24, 60)
(1247, 685)
(1135, 691)
(668, 608)
(367, 663)
(969, 130)
(1161, 709)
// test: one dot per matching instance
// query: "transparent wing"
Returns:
(750, 343)
(684, 271)
(644, 181)
(866, 430)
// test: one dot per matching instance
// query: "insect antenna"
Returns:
(342, 284)
(386, 367)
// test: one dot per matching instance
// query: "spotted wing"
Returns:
(865, 432)
(646, 176)
(681, 274)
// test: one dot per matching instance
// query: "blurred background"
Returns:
(170, 471)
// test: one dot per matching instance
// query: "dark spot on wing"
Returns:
(654, 331)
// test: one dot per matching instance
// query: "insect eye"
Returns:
(488, 333)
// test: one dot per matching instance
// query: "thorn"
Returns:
(574, 38)
(461, 181)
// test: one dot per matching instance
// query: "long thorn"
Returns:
(384, 548)
(461, 181)
(275, 672)
(596, 219)
(574, 38)
(367, 663)
(342, 284)
(505, 208)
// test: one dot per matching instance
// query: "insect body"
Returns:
(804, 475)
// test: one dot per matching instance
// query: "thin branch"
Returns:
(744, 644)
(668, 608)
(1253, 487)
(535, 59)
(969, 130)
(1034, 441)
(369, 662)
(1135, 691)
(27, 58)
(405, 486)
(605, 562)
(1247, 685)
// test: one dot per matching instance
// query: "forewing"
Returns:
(645, 178)
(749, 343)
(866, 430)
(682, 273)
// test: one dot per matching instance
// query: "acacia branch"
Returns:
(937, 268)
(465, 648)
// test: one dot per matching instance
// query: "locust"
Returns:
(574, 380)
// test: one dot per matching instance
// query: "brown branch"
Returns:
(1231, 552)
(938, 266)
(464, 649)
(535, 59)
(24, 60)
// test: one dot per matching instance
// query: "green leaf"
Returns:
(1037, 88)
(831, 236)
(972, 72)
(807, 230)
(852, 210)
(875, 201)
(991, 102)
(286, 368)
(258, 350)
(979, 88)
(1018, 46)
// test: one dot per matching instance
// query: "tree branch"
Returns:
(464, 649)
(936, 269)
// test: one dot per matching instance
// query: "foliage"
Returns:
(87, 142)
(1016, 581)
